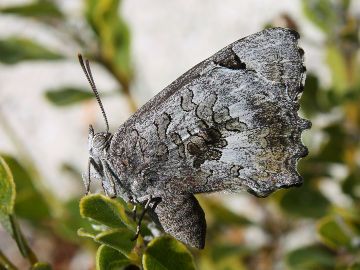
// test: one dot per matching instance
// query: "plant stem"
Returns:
(21, 241)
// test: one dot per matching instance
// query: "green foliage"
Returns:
(322, 14)
(221, 251)
(222, 215)
(354, 266)
(113, 35)
(115, 231)
(351, 185)
(8, 218)
(41, 266)
(30, 203)
(16, 49)
(176, 257)
(311, 258)
(304, 202)
(106, 211)
(40, 9)
(337, 64)
(108, 258)
(336, 233)
(119, 239)
(7, 199)
(67, 96)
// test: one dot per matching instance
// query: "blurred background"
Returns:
(137, 48)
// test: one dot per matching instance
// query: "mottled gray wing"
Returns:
(230, 123)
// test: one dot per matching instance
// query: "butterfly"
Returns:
(228, 124)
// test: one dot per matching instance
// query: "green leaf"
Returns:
(108, 258)
(7, 198)
(322, 13)
(124, 204)
(41, 266)
(309, 99)
(84, 233)
(354, 266)
(304, 201)
(332, 231)
(113, 35)
(15, 49)
(229, 263)
(119, 239)
(29, 203)
(334, 149)
(338, 67)
(166, 253)
(311, 258)
(106, 211)
(351, 185)
(67, 96)
(221, 251)
(40, 9)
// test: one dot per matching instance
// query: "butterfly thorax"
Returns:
(101, 167)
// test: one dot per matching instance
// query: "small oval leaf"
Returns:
(310, 258)
(166, 253)
(333, 232)
(7, 198)
(40, 9)
(15, 49)
(82, 232)
(108, 258)
(67, 96)
(120, 239)
(106, 211)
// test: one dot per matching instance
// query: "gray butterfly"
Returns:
(228, 124)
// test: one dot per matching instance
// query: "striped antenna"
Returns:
(86, 68)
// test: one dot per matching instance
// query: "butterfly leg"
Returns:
(86, 177)
(147, 205)
(134, 212)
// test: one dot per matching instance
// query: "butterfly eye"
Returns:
(99, 141)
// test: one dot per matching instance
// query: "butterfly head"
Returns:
(98, 142)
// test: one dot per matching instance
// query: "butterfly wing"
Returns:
(183, 218)
(230, 123)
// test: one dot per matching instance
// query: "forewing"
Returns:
(230, 123)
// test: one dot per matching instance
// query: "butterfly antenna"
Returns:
(86, 68)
